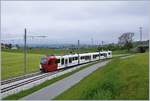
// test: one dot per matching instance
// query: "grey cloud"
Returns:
(70, 21)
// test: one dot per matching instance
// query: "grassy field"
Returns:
(120, 79)
(59, 51)
(51, 51)
(13, 64)
(120, 52)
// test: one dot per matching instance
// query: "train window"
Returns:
(70, 60)
(57, 61)
(101, 54)
(62, 61)
(76, 58)
(43, 61)
(94, 56)
(82, 57)
(86, 57)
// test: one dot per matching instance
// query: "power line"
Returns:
(140, 28)
(102, 45)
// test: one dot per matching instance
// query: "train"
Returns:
(51, 63)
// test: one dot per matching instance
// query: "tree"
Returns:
(10, 46)
(126, 40)
(17, 46)
(128, 45)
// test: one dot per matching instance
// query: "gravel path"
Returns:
(126, 57)
(60, 86)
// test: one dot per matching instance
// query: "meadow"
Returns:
(12, 64)
(47, 51)
(126, 79)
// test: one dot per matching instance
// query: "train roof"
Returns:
(75, 55)
(69, 55)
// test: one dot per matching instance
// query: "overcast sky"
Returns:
(68, 21)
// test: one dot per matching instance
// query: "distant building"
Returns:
(3, 45)
(14, 48)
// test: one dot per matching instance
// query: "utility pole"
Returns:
(140, 34)
(25, 49)
(78, 51)
(102, 45)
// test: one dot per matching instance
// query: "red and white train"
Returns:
(52, 63)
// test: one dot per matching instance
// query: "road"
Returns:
(60, 86)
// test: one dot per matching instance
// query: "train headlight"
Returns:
(40, 66)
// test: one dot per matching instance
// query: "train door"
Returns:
(105, 55)
(58, 63)
(66, 62)
(102, 56)
(62, 63)
(99, 55)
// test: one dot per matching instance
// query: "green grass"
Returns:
(50, 51)
(120, 79)
(46, 83)
(45, 51)
(120, 52)
(13, 64)
(38, 51)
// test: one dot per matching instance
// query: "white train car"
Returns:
(52, 63)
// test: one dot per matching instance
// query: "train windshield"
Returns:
(43, 61)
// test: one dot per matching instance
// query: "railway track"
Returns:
(24, 82)
(10, 84)
(3, 82)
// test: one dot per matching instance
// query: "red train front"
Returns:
(48, 63)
